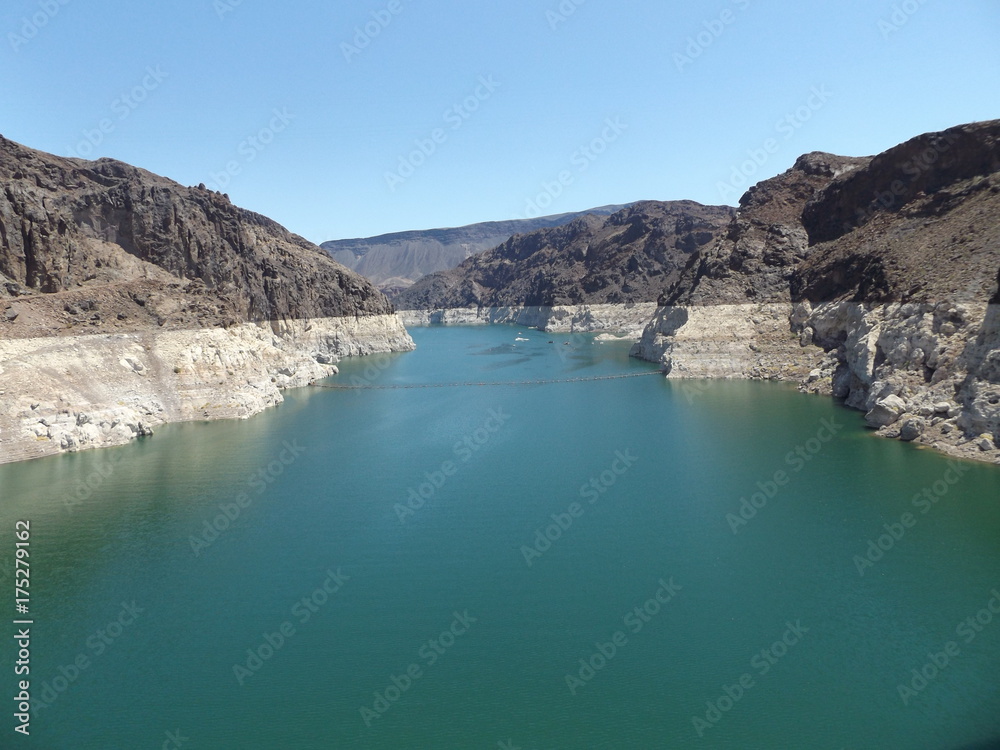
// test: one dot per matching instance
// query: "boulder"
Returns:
(912, 429)
(880, 391)
(886, 412)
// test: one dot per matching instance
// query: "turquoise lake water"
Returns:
(427, 569)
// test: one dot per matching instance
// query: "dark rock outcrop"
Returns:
(916, 223)
(919, 223)
(902, 176)
(755, 259)
(154, 252)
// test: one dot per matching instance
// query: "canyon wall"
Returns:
(128, 300)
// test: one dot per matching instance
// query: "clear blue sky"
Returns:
(555, 80)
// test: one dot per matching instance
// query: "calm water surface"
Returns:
(539, 519)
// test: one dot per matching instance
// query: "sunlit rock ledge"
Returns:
(72, 393)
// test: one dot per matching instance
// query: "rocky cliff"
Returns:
(623, 259)
(68, 223)
(395, 261)
(754, 257)
(127, 300)
(874, 280)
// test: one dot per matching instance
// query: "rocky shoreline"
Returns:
(77, 392)
(128, 300)
(924, 373)
(621, 319)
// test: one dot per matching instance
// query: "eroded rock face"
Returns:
(903, 178)
(729, 341)
(71, 393)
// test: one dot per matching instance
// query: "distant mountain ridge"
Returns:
(395, 261)
(625, 258)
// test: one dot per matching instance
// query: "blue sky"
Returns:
(359, 118)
